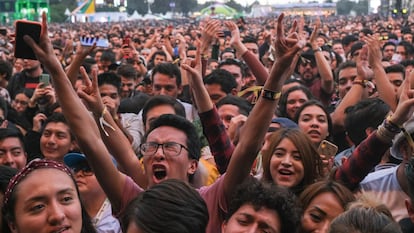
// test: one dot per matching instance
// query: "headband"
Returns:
(30, 167)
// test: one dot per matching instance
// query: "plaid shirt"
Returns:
(362, 161)
(220, 144)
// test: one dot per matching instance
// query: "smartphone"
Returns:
(328, 149)
(45, 79)
(30, 28)
(227, 33)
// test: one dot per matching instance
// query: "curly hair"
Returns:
(259, 195)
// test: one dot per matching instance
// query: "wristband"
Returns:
(390, 126)
(363, 82)
(103, 122)
(317, 50)
(270, 95)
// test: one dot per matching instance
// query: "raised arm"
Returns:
(357, 92)
(384, 86)
(79, 119)
(325, 72)
(255, 128)
(73, 70)
(257, 68)
(370, 151)
(220, 144)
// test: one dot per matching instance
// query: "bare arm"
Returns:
(355, 94)
(325, 72)
(385, 88)
(257, 68)
(79, 119)
(73, 69)
(258, 122)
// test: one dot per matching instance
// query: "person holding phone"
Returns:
(27, 79)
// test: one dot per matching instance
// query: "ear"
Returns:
(223, 226)
(74, 145)
(180, 89)
(192, 167)
(410, 209)
(12, 227)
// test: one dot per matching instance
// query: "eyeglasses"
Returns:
(85, 169)
(305, 62)
(170, 149)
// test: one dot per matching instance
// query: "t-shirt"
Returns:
(384, 186)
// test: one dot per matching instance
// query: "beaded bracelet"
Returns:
(363, 82)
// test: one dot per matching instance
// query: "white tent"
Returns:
(135, 16)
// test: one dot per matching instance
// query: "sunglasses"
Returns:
(304, 62)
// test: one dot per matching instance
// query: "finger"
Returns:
(197, 57)
(313, 35)
(83, 95)
(95, 80)
(294, 27)
(44, 30)
(29, 41)
(188, 68)
(85, 76)
(279, 29)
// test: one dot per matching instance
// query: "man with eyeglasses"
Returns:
(93, 197)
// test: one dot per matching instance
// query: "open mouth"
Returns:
(159, 172)
(314, 132)
(285, 172)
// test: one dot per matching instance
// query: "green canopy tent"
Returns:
(219, 9)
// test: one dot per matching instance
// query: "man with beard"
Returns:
(27, 79)
(314, 71)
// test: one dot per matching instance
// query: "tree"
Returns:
(235, 5)
(361, 8)
(140, 6)
(186, 6)
(57, 10)
(344, 7)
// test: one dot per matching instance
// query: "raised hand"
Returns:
(89, 92)
(363, 69)
(374, 50)
(405, 107)
(287, 47)
(315, 32)
(209, 33)
(44, 49)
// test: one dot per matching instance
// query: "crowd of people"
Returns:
(210, 126)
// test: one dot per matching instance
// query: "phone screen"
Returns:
(45, 79)
(30, 28)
